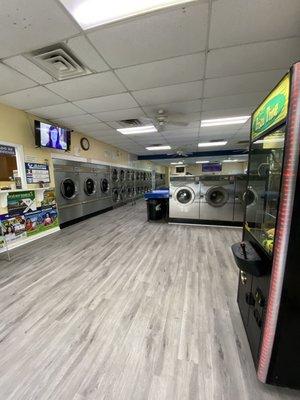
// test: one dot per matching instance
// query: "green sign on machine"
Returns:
(273, 110)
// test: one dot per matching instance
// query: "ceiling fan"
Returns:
(179, 152)
(162, 119)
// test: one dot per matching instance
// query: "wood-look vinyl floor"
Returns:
(116, 308)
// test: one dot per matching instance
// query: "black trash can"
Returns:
(156, 209)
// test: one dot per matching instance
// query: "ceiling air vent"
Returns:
(130, 122)
(59, 62)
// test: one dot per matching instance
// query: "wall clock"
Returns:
(85, 144)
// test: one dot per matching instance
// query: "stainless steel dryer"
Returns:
(184, 197)
(66, 174)
(115, 176)
(116, 197)
(88, 188)
(217, 198)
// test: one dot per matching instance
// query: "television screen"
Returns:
(179, 170)
(51, 136)
(212, 167)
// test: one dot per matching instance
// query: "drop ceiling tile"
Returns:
(168, 94)
(78, 120)
(57, 111)
(240, 100)
(162, 73)
(90, 127)
(220, 131)
(119, 115)
(11, 80)
(153, 37)
(85, 87)
(245, 83)
(230, 112)
(81, 47)
(107, 103)
(27, 25)
(26, 67)
(185, 107)
(31, 98)
(253, 57)
(238, 21)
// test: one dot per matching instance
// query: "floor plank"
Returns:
(117, 308)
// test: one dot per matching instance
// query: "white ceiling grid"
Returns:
(208, 59)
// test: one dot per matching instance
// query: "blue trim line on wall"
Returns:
(195, 154)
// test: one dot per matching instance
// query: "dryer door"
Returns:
(184, 196)
(68, 189)
(90, 186)
(114, 175)
(115, 196)
(217, 196)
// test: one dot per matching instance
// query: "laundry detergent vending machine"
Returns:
(269, 255)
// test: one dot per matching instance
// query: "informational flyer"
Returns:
(21, 202)
(41, 220)
(36, 173)
(13, 228)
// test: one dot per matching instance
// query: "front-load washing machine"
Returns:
(184, 198)
(217, 198)
(88, 189)
(66, 174)
(239, 195)
(115, 176)
(104, 187)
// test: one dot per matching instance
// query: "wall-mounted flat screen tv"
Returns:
(212, 167)
(52, 136)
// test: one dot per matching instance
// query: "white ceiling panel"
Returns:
(78, 120)
(107, 103)
(264, 56)
(167, 94)
(27, 25)
(245, 83)
(220, 131)
(11, 81)
(90, 127)
(230, 112)
(245, 99)
(88, 86)
(57, 111)
(153, 37)
(31, 98)
(120, 115)
(162, 73)
(238, 21)
(185, 107)
(87, 53)
(26, 67)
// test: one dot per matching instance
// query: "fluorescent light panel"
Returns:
(158, 148)
(138, 129)
(202, 162)
(92, 13)
(211, 144)
(177, 163)
(270, 140)
(225, 121)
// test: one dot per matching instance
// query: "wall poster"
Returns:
(36, 173)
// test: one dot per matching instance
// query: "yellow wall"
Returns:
(17, 127)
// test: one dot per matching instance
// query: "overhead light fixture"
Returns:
(162, 147)
(92, 13)
(225, 121)
(202, 162)
(270, 140)
(137, 129)
(230, 161)
(211, 144)
(177, 163)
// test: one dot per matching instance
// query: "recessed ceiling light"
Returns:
(225, 121)
(138, 129)
(177, 163)
(202, 162)
(230, 161)
(91, 13)
(158, 147)
(211, 144)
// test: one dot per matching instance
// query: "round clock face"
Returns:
(85, 144)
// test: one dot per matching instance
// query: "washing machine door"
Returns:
(184, 196)
(249, 197)
(104, 185)
(115, 196)
(114, 175)
(217, 196)
(90, 186)
(68, 189)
